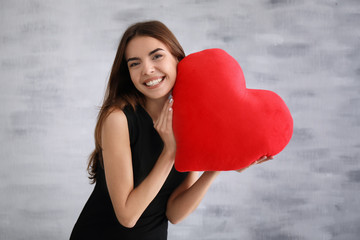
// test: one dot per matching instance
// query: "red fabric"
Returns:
(218, 123)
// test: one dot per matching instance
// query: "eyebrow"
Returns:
(150, 53)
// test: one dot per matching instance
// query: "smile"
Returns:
(154, 82)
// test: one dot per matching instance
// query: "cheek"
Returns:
(133, 77)
(173, 70)
(175, 73)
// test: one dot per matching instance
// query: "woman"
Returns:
(137, 188)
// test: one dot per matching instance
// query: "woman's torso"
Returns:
(98, 221)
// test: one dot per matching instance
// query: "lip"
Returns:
(154, 79)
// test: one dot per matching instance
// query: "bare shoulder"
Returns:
(115, 123)
(114, 129)
(116, 118)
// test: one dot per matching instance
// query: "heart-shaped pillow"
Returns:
(218, 123)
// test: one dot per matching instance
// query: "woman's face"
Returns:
(152, 67)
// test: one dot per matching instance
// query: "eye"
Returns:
(157, 56)
(133, 64)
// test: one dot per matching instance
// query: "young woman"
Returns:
(137, 189)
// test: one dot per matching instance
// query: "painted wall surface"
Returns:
(55, 59)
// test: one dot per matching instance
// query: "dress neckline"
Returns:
(145, 113)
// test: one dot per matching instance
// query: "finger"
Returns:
(243, 169)
(262, 158)
(262, 161)
(171, 101)
(160, 120)
(170, 114)
(265, 160)
(259, 160)
(167, 114)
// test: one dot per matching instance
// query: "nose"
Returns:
(148, 68)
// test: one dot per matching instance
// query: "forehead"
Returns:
(141, 46)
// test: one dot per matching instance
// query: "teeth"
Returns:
(153, 82)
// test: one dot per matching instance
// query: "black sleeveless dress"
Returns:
(98, 221)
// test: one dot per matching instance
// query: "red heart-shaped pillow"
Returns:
(218, 123)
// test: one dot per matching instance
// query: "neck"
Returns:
(154, 107)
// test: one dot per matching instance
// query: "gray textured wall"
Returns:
(55, 60)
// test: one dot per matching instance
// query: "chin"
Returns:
(158, 94)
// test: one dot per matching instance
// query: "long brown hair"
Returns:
(120, 90)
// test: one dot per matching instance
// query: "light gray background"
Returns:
(56, 58)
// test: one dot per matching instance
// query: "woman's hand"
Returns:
(163, 126)
(261, 160)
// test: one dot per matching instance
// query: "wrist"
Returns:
(169, 153)
(212, 173)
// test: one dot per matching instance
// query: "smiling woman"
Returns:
(137, 188)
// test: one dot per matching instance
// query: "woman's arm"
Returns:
(129, 203)
(186, 198)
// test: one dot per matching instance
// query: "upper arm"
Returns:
(115, 142)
